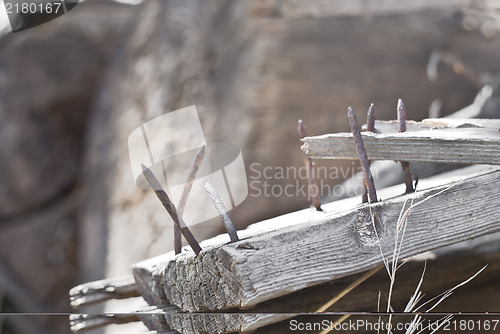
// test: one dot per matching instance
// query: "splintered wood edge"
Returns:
(443, 145)
(329, 246)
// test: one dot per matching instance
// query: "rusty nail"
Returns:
(363, 158)
(408, 178)
(184, 196)
(370, 126)
(170, 207)
(311, 173)
(370, 118)
(401, 116)
(221, 208)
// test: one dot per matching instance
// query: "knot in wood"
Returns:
(368, 226)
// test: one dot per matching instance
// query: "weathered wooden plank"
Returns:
(444, 145)
(446, 268)
(436, 123)
(456, 262)
(329, 245)
(99, 291)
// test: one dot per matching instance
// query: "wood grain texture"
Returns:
(446, 268)
(329, 245)
(447, 145)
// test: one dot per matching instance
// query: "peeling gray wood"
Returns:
(99, 291)
(443, 145)
(328, 246)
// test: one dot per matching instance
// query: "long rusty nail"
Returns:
(184, 196)
(370, 126)
(404, 164)
(363, 157)
(221, 208)
(311, 173)
(170, 207)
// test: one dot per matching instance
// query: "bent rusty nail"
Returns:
(170, 207)
(185, 194)
(370, 126)
(311, 174)
(408, 178)
(221, 208)
(363, 158)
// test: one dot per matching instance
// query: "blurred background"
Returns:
(73, 89)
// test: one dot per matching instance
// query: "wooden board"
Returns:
(446, 268)
(452, 264)
(444, 145)
(436, 123)
(316, 247)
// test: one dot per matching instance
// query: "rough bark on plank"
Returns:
(315, 248)
(448, 145)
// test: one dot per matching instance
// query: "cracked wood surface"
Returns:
(306, 248)
(439, 140)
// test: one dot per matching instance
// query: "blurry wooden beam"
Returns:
(99, 291)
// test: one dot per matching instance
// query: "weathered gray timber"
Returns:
(320, 246)
(317, 247)
(467, 145)
(436, 123)
(446, 267)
